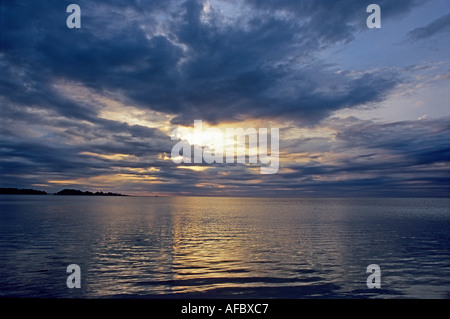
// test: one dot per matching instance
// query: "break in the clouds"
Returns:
(94, 107)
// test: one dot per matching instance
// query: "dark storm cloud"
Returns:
(21, 88)
(41, 50)
(332, 21)
(441, 24)
(211, 70)
(419, 142)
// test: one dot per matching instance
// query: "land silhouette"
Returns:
(85, 193)
(16, 191)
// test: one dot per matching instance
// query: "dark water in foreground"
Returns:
(192, 247)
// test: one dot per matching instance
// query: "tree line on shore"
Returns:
(16, 191)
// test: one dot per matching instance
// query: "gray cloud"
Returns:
(440, 25)
(381, 158)
(190, 68)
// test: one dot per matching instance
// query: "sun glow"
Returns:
(195, 168)
(112, 157)
(216, 137)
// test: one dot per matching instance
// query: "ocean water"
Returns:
(211, 247)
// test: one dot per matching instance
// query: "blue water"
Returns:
(197, 247)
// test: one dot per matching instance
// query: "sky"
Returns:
(360, 111)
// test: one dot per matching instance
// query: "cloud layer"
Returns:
(95, 106)
(184, 60)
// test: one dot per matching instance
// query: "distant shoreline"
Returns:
(16, 191)
(69, 192)
(77, 192)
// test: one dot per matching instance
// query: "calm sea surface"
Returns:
(196, 247)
